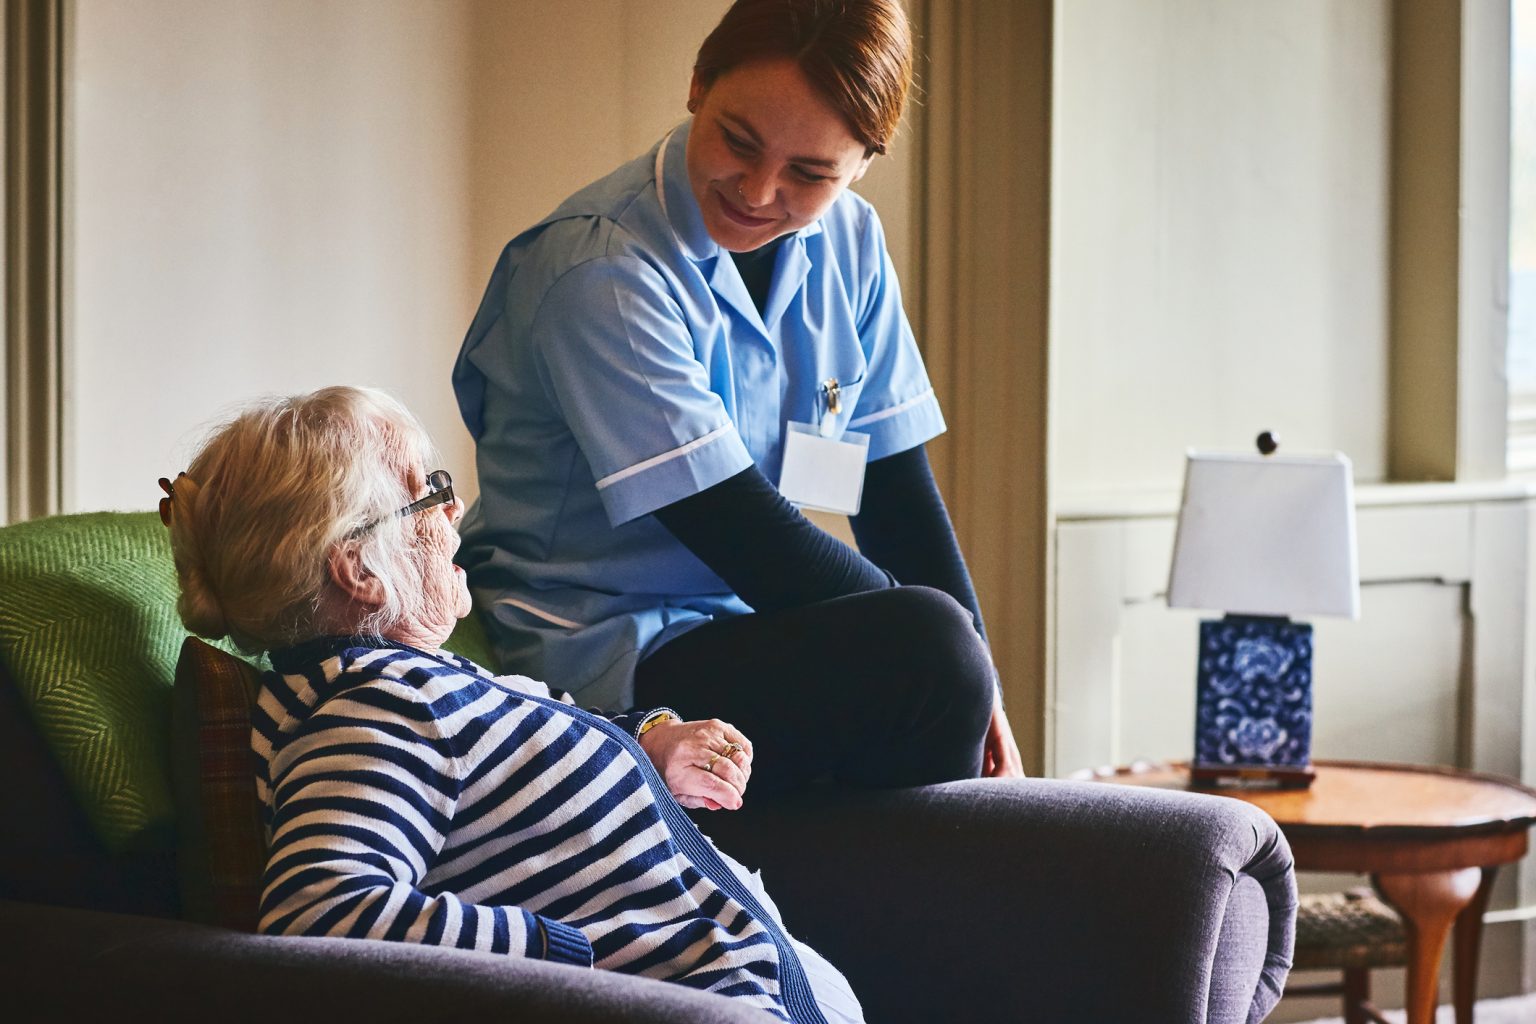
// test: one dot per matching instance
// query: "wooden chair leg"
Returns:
(1357, 992)
(1468, 942)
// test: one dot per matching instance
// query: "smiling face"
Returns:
(766, 154)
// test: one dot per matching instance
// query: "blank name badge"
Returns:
(823, 473)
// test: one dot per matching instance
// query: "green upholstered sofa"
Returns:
(1026, 900)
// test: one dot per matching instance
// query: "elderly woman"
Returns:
(412, 795)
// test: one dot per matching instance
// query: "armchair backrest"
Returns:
(89, 638)
(221, 844)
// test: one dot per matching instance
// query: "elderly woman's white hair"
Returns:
(271, 493)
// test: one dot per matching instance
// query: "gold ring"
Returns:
(731, 749)
(710, 767)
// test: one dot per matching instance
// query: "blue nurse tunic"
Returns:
(618, 364)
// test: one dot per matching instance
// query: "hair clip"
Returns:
(170, 496)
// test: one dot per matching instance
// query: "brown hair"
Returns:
(856, 53)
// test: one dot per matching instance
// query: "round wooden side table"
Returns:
(1431, 839)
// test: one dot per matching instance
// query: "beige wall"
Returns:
(564, 92)
(264, 197)
(274, 195)
(1219, 202)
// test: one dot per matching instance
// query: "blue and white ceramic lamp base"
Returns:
(1253, 705)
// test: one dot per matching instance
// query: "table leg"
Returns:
(1429, 903)
(1469, 941)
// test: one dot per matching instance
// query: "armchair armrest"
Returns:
(69, 965)
(1032, 899)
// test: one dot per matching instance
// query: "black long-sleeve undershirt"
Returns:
(764, 549)
(904, 528)
(772, 557)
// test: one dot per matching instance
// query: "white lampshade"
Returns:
(1267, 535)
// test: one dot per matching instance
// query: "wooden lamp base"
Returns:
(1236, 776)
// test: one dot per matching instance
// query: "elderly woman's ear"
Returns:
(353, 578)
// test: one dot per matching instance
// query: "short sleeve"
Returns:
(616, 357)
(896, 406)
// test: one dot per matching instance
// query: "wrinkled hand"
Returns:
(1000, 754)
(698, 764)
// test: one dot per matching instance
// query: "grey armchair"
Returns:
(1032, 900)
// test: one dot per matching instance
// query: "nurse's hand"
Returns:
(705, 763)
(1000, 754)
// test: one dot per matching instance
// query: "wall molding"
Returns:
(33, 204)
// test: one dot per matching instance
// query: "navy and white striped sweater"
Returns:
(413, 797)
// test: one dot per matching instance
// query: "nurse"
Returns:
(659, 366)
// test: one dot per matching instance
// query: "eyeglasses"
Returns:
(440, 492)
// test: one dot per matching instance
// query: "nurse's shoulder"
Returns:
(614, 220)
(852, 235)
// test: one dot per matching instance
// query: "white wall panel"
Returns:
(1082, 713)
(1160, 645)
(1219, 205)
(1385, 687)
(1389, 686)
(1416, 542)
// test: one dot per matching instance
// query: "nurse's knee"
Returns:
(939, 645)
(936, 623)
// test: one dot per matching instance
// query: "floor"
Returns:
(1515, 1010)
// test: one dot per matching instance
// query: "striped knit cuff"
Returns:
(564, 944)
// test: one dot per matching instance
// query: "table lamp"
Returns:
(1261, 538)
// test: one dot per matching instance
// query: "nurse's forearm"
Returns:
(764, 549)
(905, 528)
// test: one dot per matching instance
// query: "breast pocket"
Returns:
(839, 400)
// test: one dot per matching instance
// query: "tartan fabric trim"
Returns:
(232, 842)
